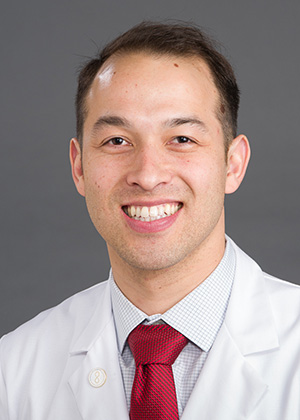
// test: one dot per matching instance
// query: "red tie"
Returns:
(155, 348)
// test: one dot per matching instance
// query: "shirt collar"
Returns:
(198, 316)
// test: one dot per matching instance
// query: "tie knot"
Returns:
(155, 344)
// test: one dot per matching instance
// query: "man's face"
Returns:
(154, 171)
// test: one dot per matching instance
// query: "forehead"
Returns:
(149, 82)
(138, 65)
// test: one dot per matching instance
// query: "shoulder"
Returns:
(62, 323)
(285, 301)
(281, 287)
(41, 348)
(266, 291)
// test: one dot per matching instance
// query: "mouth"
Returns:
(152, 213)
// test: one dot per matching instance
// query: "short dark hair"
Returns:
(183, 40)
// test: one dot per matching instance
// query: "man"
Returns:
(155, 153)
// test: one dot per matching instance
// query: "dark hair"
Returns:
(178, 39)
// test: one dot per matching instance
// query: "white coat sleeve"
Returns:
(3, 392)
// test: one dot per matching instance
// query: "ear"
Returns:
(237, 162)
(76, 165)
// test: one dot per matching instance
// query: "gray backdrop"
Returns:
(49, 248)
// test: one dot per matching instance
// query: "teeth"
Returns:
(147, 214)
(167, 209)
(153, 211)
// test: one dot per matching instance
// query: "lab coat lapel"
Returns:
(99, 352)
(228, 386)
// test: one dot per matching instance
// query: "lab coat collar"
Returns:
(99, 319)
(249, 316)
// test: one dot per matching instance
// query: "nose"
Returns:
(149, 168)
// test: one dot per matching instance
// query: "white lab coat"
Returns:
(252, 371)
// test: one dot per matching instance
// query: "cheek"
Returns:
(96, 182)
(204, 175)
(103, 188)
(98, 175)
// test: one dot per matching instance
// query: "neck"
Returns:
(156, 291)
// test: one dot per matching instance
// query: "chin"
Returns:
(152, 261)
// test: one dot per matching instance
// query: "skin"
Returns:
(170, 149)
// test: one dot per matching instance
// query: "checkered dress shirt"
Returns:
(198, 316)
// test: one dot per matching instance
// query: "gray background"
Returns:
(49, 248)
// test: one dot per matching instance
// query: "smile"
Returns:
(149, 214)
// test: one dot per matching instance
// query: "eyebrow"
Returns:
(175, 122)
(112, 120)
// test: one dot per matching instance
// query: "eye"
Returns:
(116, 145)
(182, 140)
(117, 141)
